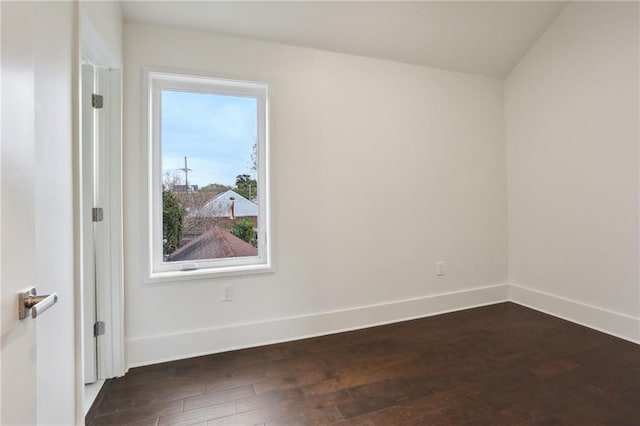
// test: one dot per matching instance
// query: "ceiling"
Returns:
(476, 37)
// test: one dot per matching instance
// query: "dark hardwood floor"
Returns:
(497, 365)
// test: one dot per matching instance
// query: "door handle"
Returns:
(30, 301)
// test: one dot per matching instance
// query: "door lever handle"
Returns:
(29, 300)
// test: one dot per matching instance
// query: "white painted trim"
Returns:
(109, 233)
(614, 323)
(109, 240)
(118, 367)
(168, 347)
(76, 79)
(155, 81)
(90, 250)
(1, 140)
(178, 277)
(91, 392)
(94, 49)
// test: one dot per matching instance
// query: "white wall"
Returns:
(572, 120)
(101, 32)
(354, 140)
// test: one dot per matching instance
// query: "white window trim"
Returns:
(160, 271)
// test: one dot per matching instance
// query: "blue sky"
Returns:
(216, 133)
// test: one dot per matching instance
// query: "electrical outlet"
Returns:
(227, 293)
(440, 268)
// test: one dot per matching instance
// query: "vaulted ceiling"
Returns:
(476, 37)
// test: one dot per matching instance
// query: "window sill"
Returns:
(208, 273)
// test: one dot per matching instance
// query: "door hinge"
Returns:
(97, 214)
(97, 101)
(98, 328)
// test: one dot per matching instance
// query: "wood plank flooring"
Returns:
(497, 365)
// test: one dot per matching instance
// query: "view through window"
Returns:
(208, 143)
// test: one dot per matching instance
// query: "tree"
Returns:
(246, 186)
(243, 229)
(171, 179)
(215, 187)
(172, 218)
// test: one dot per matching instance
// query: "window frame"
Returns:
(159, 270)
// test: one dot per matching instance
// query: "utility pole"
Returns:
(186, 171)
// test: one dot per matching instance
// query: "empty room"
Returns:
(324, 212)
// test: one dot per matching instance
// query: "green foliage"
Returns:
(215, 187)
(243, 229)
(246, 186)
(172, 217)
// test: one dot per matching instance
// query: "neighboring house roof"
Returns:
(214, 244)
(192, 202)
(220, 206)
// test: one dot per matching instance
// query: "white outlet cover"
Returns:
(227, 293)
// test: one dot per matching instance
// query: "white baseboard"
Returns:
(91, 392)
(168, 347)
(614, 323)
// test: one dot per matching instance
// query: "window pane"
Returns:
(209, 171)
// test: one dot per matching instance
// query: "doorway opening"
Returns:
(101, 228)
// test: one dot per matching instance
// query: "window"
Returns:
(209, 198)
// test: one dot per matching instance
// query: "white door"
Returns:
(38, 369)
(101, 247)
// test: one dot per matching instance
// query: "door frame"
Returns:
(109, 237)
